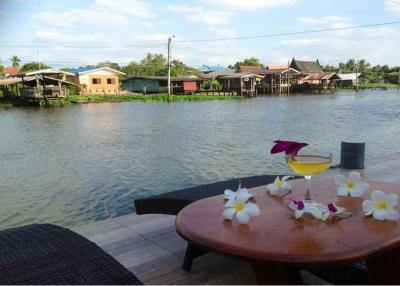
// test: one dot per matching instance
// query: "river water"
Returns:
(84, 163)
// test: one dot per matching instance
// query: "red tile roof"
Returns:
(12, 70)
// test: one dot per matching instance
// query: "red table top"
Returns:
(276, 236)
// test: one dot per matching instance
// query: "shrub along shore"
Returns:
(145, 98)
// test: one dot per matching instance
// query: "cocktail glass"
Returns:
(308, 166)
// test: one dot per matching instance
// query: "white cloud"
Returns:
(52, 35)
(302, 42)
(198, 14)
(114, 13)
(134, 8)
(246, 5)
(328, 20)
(153, 37)
(392, 7)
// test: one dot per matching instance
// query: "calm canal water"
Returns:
(89, 162)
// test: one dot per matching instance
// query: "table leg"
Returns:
(384, 268)
(271, 273)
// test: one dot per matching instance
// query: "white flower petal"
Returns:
(378, 196)
(315, 212)
(272, 189)
(340, 180)
(230, 203)
(286, 186)
(277, 180)
(325, 216)
(392, 214)
(285, 178)
(339, 210)
(243, 197)
(356, 193)
(298, 213)
(292, 206)
(229, 194)
(252, 209)
(242, 217)
(342, 191)
(392, 200)
(228, 213)
(368, 206)
(355, 176)
(379, 214)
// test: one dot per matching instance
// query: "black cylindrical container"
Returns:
(352, 155)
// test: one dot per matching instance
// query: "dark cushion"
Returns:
(172, 202)
(50, 254)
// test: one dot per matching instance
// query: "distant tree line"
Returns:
(156, 65)
(369, 73)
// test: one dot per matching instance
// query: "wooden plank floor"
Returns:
(149, 246)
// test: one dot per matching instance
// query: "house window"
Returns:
(111, 81)
(96, 80)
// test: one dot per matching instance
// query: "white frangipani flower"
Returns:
(241, 209)
(381, 206)
(279, 184)
(352, 185)
(300, 208)
(229, 194)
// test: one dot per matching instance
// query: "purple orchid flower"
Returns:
(299, 204)
(289, 147)
(332, 207)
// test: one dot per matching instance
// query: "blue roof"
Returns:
(76, 71)
(205, 68)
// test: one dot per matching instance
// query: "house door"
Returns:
(247, 84)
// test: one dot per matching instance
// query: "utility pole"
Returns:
(169, 69)
(288, 77)
(357, 76)
(38, 54)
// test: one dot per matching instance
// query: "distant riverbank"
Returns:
(145, 98)
(95, 98)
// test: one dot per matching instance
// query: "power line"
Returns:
(290, 33)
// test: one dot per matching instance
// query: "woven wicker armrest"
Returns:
(52, 255)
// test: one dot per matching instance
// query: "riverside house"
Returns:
(97, 79)
(155, 84)
(312, 77)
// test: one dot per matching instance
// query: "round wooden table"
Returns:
(277, 245)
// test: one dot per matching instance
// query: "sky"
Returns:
(72, 33)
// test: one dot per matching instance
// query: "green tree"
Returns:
(1, 68)
(34, 66)
(15, 61)
(246, 62)
(330, 68)
(156, 65)
(132, 69)
(109, 64)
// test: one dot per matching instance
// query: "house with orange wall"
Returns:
(97, 79)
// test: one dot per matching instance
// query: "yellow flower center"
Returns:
(279, 183)
(382, 205)
(239, 206)
(351, 184)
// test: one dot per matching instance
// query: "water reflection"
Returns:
(88, 162)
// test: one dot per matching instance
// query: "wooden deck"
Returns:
(149, 246)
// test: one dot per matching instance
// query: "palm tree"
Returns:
(15, 60)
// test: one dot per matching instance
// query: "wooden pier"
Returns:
(149, 246)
